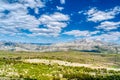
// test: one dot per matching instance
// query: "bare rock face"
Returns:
(85, 45)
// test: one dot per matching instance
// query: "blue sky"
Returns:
(49, 21)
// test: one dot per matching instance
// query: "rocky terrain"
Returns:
(65, 63)
(80, 45)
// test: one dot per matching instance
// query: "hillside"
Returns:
(81, 45)
(69, 65)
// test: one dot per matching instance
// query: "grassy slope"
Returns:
(15, 69)
(71, 56)
(9, 67)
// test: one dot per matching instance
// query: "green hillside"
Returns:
(11, 66)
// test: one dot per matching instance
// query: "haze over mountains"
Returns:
(85, 45)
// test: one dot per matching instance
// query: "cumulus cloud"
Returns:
(111, 36)
(59, 8)
(96, 15)
(78, 33)
(18, 19)
(54, 23)
(62, 1)
(108, 37)
(79, 12)
(8, 6)
(21, 4)
(108, 25)
(32, 3)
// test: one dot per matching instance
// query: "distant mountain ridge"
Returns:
(85, 45)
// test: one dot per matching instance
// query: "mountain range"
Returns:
(85, 45)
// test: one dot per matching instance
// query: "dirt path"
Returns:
(65, 63)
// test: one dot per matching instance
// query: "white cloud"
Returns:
(21, 4)
(111, 36)
(54, 22)
(35, 4)
(108, 37)
(7, 6)
(94, 32)
(62, 1)
(107, 25)
(78, 33)
(54, 17)
(36, 10)
(79, 12)
(96, 15)
(18, 19)
(59, 8)
(32, 3)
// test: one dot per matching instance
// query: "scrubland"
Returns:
(12, 66)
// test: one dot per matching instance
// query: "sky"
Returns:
(52, 21)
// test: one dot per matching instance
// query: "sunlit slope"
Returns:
(112, 60)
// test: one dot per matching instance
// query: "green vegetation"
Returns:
(71, 56)
(12, 67)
